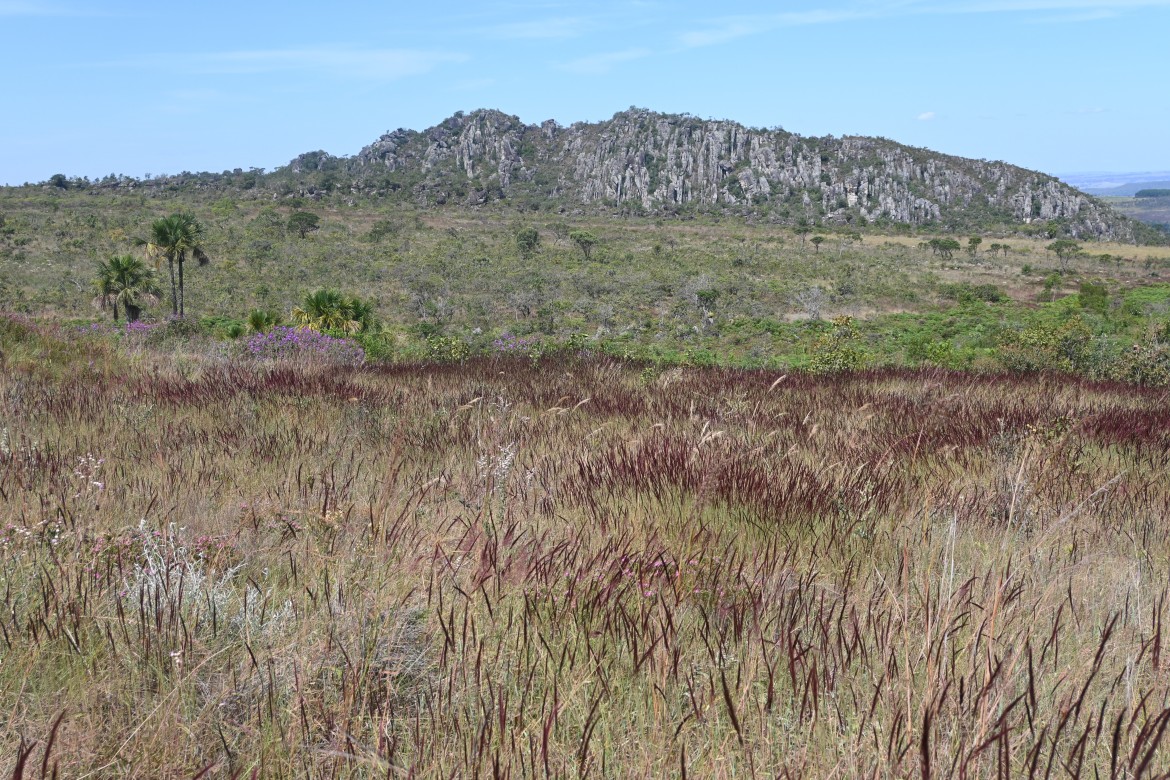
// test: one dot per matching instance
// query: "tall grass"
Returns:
(569, 568)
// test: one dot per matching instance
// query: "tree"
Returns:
(125, 282)
(327, 309)
(812, 300)
(528, 242)
(802, 230)
(303, 223)
(817, 241)
(176, 238)
(944, 247)
(584, 240)
(1065, 249)
(973, 245)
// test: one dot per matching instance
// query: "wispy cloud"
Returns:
(540, 29)
(378, 64)
(596, 64)
(725, 29)
(730, 28)
(926, 116)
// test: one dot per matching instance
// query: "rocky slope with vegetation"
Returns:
(645, 162)
(673, 165)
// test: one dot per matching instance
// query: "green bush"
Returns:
(969, 293)
(838, 350)
(448, 349)
(1065, 347)
(1147, 363)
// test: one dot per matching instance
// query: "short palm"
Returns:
(330, 310)
(125, 282)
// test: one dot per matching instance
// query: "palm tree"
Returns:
(176, 238)
(330, 310)
(125, 281)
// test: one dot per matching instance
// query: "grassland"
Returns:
(572, 566)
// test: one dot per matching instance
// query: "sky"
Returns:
(136, 88)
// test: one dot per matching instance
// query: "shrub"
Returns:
(1147, 363)
(838, 350)
(1066, 347)
(284, 342)
(969, 293)
(448, 349)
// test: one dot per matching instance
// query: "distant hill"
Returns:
(643, 162)
(1117, 185)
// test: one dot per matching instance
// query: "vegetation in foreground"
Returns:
(571, 566)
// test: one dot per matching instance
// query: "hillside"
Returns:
(644, 163)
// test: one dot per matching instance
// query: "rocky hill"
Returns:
(642, 162)
(645, 162)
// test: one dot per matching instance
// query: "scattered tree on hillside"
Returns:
(817, 241)
(973, 245)
(943, 247)
(303, 223)
(1065, 249)
(528, 242)
(802, 230)
(812, 300)
(585, 241)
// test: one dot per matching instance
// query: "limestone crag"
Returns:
(659, 163)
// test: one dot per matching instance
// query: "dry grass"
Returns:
(576, 567)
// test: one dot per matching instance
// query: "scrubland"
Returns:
(569, 565)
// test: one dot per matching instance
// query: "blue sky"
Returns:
(93, 88)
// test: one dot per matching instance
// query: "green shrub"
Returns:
(838, 350)
(1066, 347)
(969, 293)
(1094, 297)
(448, 349)
(1147, 363)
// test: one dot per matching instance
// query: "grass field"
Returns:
(573, 566)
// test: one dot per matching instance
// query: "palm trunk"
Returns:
(174, 289)
(182, 309)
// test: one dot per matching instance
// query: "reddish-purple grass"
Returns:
(565, 568)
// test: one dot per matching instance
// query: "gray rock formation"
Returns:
(643, 161)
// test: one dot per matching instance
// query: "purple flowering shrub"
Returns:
(507, 344)
(283, 342)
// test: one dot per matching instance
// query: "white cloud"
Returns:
(926, 116)
(604, 62)
(380, 64)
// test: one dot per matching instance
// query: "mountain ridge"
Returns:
(641, 162)
(646, 162)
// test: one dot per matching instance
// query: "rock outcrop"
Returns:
(647, 162)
